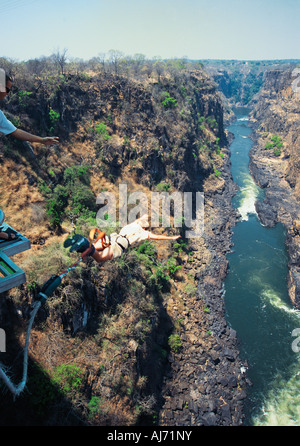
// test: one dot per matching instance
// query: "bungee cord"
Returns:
(17, 390)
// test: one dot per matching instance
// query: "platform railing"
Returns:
(11, 275)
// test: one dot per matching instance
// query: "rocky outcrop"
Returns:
(275, 162)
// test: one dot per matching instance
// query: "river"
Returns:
(256, 299)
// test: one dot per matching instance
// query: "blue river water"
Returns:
(256, 299)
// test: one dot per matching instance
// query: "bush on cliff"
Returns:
(276, 145)
(74, 195)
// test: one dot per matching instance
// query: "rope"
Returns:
(64, 273)
(17, 390)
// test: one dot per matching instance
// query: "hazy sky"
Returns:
(198, 29)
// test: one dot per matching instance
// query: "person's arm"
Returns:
(103, 256)
(152, 236)
(25, 136)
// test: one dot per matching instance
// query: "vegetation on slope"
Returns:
(102, 340)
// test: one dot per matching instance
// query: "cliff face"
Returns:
(239, 81)
(275, 162)
(156, 315)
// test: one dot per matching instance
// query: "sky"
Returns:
(196, 29)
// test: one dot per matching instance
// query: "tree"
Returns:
(115, 58)
(77, 65)
(102, 59)
(159, 67)
(8, 65)
(37, 66)
(137, 62)
(60, 59)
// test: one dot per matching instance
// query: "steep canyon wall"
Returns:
(275, 161)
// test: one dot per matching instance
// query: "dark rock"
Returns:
(229, 354)
(266, 214)
(209, 419)
(179, 404)
(232, 382)
(223, 381)
(214, 356)
(241, 395)
(225, 412)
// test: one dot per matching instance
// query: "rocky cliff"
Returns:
(143, 339)
(275, 161)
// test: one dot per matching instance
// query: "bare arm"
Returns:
(162, 236)
(25, 136)
(103, 256)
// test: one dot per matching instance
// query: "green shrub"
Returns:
(163, 187)
(165, 271)
(268, 146)
(94, 407)
(82, 199)
(77, 173)
(168, 101)
(75, 195)
(179, 246)
(101, 129)
(56, 205)
(276, 144)
(212, 123)
(23, 96)
(147, 248)
(277, 152)
(276, 140)
(68, 377)
(172, 266)
(174, 342)
(53, 117)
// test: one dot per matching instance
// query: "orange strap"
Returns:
(101, 237)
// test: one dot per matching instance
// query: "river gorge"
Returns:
(256, 298)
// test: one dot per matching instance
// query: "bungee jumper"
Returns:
(110, 247)
(103, 248)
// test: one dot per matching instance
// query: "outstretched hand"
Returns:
(50, 140)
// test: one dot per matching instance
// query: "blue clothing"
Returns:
(6, 127)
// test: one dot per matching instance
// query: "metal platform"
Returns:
(11, 275)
